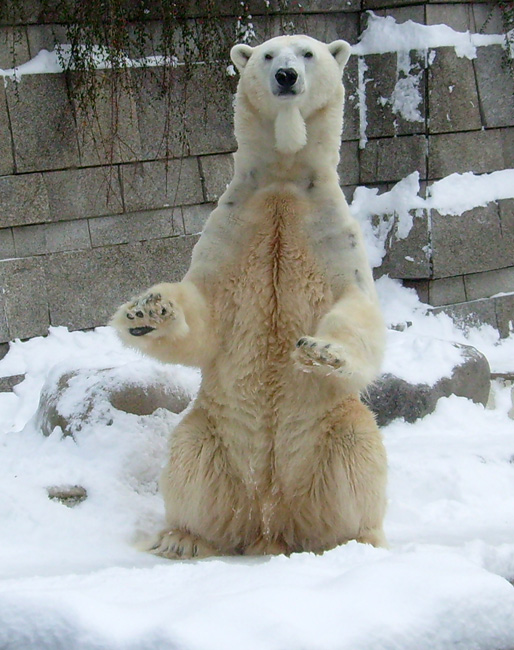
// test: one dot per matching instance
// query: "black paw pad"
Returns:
(140, 331)
(301, 342)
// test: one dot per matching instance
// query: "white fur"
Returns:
(279, 309)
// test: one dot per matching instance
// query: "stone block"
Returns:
(23, 300)
(377, 4)
(161, 184)
(391, 159)
(14, 48)
(42, 123)
(452, 95)
(8, 383)
(81, 193)
(486, 285)
(457, 16)
(395, 94)
(351, 105)
(447, 291)
(421, 287)
(495, 86)
(45, 37)
(6, 152)
(477, 151)
(340, 24)
(85, 288)
(109, 130)
(471, 314)
(408, 258)
(402, 13)
(41, 239)
(507, 231)
(505, 314)
(6, 244)
(23, 200)
(195, 216)
(488, 18)
(217, 172)
(348, 168)
(466, 243)
(136, 226)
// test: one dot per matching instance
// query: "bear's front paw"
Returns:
(316, 355)
(148, 312)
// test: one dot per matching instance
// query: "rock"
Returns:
(8, 383)
(391, 397)
(72, 399)
(68, 495)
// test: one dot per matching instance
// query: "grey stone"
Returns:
(457, 16)
(136, 226)
(466, 243)
(6, 151)
(351, 105)
(23, 300)
(105, 391)
(81, 193)
(23, 200)
(85, 288)
(42, 123)
(109, 130)
(348, 168)
(14, 49)
(391, 159)
(505, 314)
(8, 383)
(384, 116)
(340, 24)
(217, 172)
(421, 287)
(195, 216)
(495, 86)
(507, 231)
(401, 14)
(485, 285)
(69, 495)
(447, 291)
(452, 95)
(471, 314)
(45, 37)
(4, 349)
(42, 239)
(391, 397)
(408, 257)
(376, 4)
(488, 18)
(6, 243)
(477, 151)
(161, 185)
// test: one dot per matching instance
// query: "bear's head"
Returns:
(287, 79)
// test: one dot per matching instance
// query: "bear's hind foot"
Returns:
(179, 545)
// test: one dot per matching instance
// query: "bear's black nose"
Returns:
(286, 77)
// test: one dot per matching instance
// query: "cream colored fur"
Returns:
(278, 308)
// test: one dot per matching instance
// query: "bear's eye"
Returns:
(308, 55)
(268, 56)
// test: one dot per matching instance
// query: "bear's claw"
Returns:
(312, 353)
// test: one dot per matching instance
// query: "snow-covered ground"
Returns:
(72, 579)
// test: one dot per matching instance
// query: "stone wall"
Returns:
(83, 228)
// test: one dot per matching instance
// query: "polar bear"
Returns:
(279, 310)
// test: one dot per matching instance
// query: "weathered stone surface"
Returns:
(348, 168)
(23, 300)
(402, 13)
(351, 104)
(47, 238)
(217, 172)
(6, 152)
(471, 314)
(44, 37)
(495, 86)
(452, 96)
(388, 81)
(391, 159)
(421, 287)
(85, 288)
(477, 151)
(6, 243)
(109, 132)
(488, 18)
(447, 291)
(23, 200)
(195, 216)
(391, 397)
(69, 495)
(457, 16)
(138, 388)
(409, 257)
(466, 243)
(8, 383)
(375, 4)
(153, 185)
(485, 285)
(136, 226)
(505, 314)
(14, 48)
(80, 193)
(42, 123)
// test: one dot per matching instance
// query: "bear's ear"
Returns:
(240, 54)
(341, 51)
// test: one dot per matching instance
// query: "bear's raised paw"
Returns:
(148, 312)
(314, 354)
